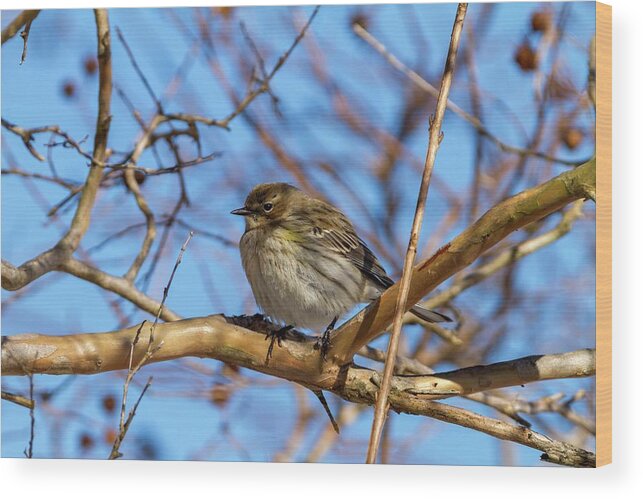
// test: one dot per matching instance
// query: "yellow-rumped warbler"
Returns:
(306, 265)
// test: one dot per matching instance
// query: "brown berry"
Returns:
(225, 12)
(572, 137)
(139, 176)
(91, 65)
(109, 403)
(69, 89)
(541, 21)
(86, 441)
(360, 19)
(526, 57)
(109, 436)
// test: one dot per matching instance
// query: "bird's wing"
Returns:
(334, 231)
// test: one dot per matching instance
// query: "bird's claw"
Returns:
(323, 342)
(276, 335)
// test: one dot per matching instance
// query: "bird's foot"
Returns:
(276, 335)
(323, 343)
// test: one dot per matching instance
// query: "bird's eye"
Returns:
(267, 207)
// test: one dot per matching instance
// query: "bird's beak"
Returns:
(241, 211)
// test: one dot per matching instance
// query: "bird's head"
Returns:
(269, 203)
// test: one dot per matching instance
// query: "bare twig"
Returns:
(55, 180)
(149, 353)
(14, 278)
(32, 419)
(117, 285)
(139, 72)
(430, 89)
(166, 289)
(25, 37)
(322, 399)
(555, 403)
(265, 83)
(150, 233)
(507, 257)
(18, 399)
(401, 306)
(26, 16)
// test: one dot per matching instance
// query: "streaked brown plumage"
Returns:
(304, 261)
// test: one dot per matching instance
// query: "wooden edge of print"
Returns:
(603, 234)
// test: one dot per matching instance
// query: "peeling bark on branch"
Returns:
(230, 340)
(240, 341)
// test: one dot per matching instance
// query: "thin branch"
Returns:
(55, 180)
(32, 419)
(25, 37)
(550, 403)
(430, 89)
(118, 285)
(14, 278)
(139, 71)
(506, 258)
(149, 353)
(150, 232)
(26, 16)
(435, 137)
(166, 289)
(553, 451)
(18, 399)
(265, 83)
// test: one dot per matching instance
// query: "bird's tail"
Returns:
(429, 315)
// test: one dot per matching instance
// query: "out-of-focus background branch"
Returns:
(336, 102)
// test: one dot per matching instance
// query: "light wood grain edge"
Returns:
(603, 234)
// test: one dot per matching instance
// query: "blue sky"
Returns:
(258, 419)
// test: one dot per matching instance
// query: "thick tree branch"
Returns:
(230, 340)
(500, 221)
(240, 341)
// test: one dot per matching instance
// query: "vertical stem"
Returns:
(435, 137)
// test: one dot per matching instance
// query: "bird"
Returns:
(305, 263)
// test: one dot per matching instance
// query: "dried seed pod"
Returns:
(526, 57)
(69, 89)
(225, 12)
(361, 19)
(109, 403)
(572, 137)
(541, 21)
(86, 441)
(140, 177)
(109, 436)
(90, 64)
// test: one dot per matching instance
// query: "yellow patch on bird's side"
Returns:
(288, 235)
